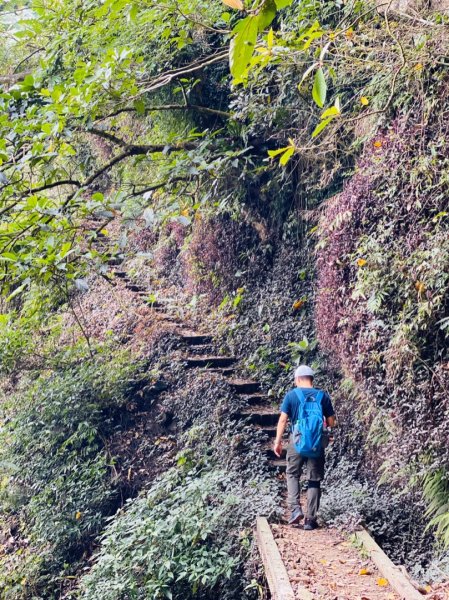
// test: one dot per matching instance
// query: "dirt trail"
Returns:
(329, 566)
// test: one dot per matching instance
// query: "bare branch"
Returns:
(149, 109)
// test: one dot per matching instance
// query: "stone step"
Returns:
(260, 415)
(223, 372)
(256, 398)
(245, 386)
(209, 361)
(201, 349)
(115, 260)
(268, 430)
(134, 287)
(195, 339)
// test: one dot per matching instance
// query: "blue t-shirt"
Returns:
(290, 405)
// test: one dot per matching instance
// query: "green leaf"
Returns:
(242, 45)
(283, 3)
(139, 105)
(47, 128)
(266, 15)
(273, 153)
(286, 156)
(319, 90)
(330, 112)
(319, 128)
(9, 256)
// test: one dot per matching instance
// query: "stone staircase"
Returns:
(199, 353)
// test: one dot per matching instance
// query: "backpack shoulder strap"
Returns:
(319, 397)
(300, 395)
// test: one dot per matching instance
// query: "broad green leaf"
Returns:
(9, 256)
(242, 45)
(266, 15)
(286, 156)
(319, 89)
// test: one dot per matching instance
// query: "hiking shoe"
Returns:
(296, 516)
(310, 525)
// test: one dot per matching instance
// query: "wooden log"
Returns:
(396, 578)
(275, 571)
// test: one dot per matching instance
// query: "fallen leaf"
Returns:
(78, 515)
(364, 572)
(420, 286)
(361, 262)
(377, 144)
(382, 582)
(364, 101)
(298, 304)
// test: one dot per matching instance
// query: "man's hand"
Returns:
(277, 448)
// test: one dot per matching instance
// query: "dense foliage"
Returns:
(55, 456)
(382, 309)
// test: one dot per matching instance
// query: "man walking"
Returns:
(302, 405)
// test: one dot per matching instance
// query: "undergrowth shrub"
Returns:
(190, 535)
(382, 309)
(222, 253)
(54, 452)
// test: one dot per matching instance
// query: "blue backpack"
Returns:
(308, 429)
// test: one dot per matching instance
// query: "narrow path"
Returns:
(329, 566)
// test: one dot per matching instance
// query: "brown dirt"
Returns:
(329, 566)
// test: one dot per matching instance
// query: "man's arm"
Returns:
(282, 424)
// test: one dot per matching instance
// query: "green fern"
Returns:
(436, 492)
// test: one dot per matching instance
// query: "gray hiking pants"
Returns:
(314, 473)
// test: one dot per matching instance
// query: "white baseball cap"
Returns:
(304, 371)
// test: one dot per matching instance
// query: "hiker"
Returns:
(310, 411)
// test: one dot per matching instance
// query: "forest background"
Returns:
(277, 170)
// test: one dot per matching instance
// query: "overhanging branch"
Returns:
(149, 109)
